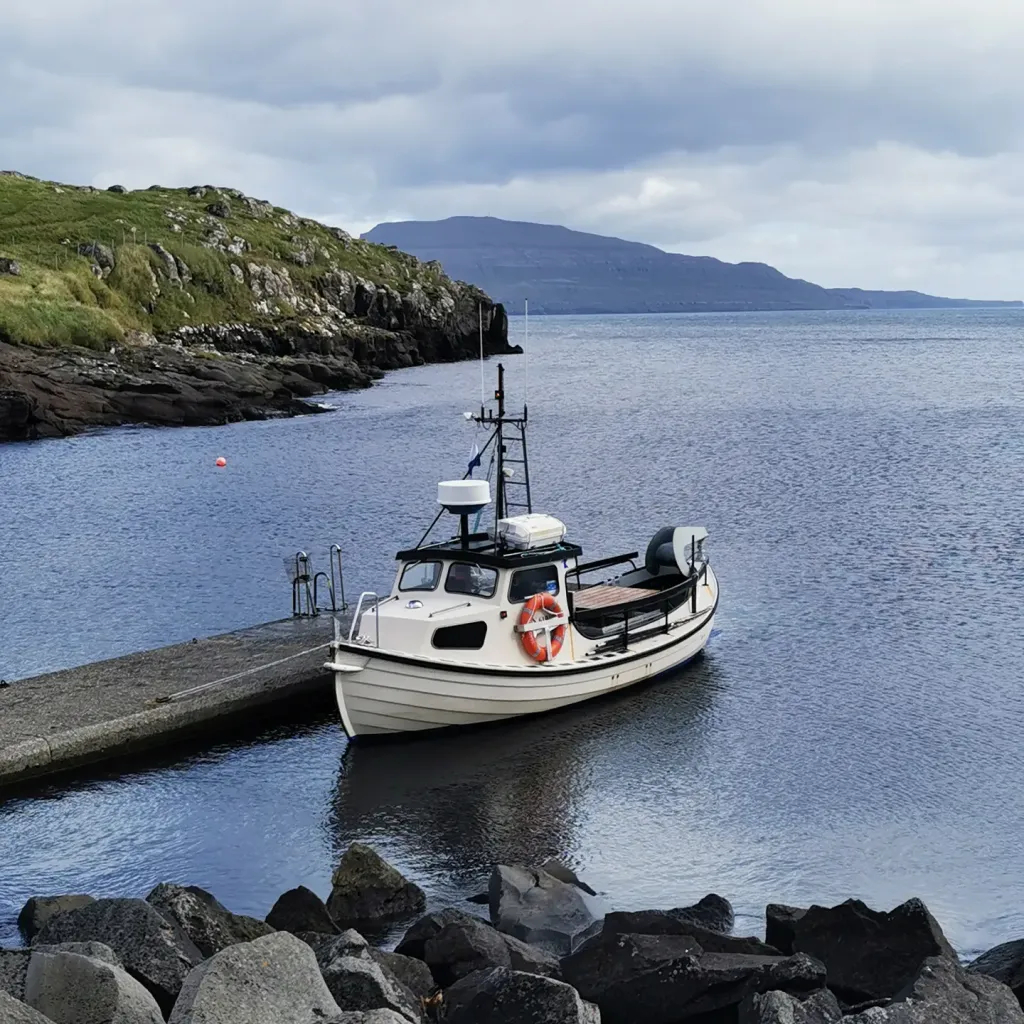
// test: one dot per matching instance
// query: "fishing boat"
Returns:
(511, 620)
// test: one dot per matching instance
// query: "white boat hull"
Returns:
(379, 692)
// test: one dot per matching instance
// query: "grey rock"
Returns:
(780, 925)
(660, 979)
(197, 191)
(414, 941)
(221, 208)
(1005, 963)
(678, 922)
(101, 255)
(869, 954)
(359, 983)
(368, 1017)
(97, 950)
(539, 909)
(301, 910)
(461, 948)
(409, 972)
(503, 996)
(170, 267)
(14, 1011)
(820, 1007)
(365, 888)
(237, 272)
(72, 989)
(40, 909)
(553, 866)
(184, 272)
(273, 980)
(944, 993)
(117, 188)
(13, 969)
(211, 926)
(258, 208)
(9, 266)
(524, 957)
(153, 947)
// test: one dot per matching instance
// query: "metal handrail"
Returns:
(301, 583)
(353, 629)
(340, 585)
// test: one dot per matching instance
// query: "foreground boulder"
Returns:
(406, 970)
(503, 996)
(72, 989)
(14, 1011)
(1005, 963)
(869, 954)
(537, 908)
(301, 910)
(944, 993)
(661, 979)
(780, 926)
(152, 947)
(40, 909)
(366, 889)
(211, 926)
(679, 922)
(96, 950)
(820, 1007)
(564, 873)
(273, 980)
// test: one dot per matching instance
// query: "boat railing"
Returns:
(619, 623)
(573, 575)
(357, 619)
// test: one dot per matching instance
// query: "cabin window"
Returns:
(420, 576)
(475, 580)
(468, 636)
(526, 582)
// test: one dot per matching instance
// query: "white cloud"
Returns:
(875, 142)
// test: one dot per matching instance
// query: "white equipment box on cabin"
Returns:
(531, 531)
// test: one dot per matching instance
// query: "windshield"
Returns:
(475, 580)
(420, 576)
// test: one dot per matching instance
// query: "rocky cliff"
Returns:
(204, 306)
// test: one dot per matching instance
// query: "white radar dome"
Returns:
(464, 496)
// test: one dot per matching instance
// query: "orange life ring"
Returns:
(530, 641)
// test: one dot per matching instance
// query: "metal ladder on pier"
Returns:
(305, 583)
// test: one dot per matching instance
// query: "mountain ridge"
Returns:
(561, 270)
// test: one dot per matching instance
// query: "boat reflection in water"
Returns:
(447, 806)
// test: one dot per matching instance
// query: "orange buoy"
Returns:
(222, 461)
(542, 602)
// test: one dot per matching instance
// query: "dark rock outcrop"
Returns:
(9, 266)
(664, 979)
(461, 948)
(209, 924)
(40, 909)
(152, 946)
(365, 888)
(678, 922)
(942, 992)
(537, 908)
(869, 954)
(502, 996)
(301, 910)
(1005, 963)
(414, 941)
(780, 925)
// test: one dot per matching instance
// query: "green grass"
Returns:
(58, 300)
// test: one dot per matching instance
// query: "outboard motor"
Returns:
(675, 548)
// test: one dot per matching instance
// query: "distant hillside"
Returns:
(563, 271)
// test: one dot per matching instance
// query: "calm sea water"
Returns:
(854, 730)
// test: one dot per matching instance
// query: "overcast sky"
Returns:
(877, 143)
